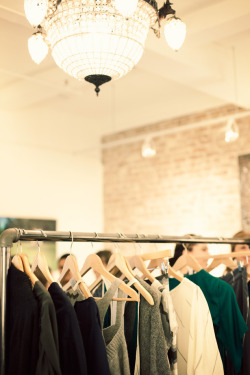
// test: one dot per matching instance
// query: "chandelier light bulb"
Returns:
(35, 11)
(232, 131)
(148, 150)
(126, 7)
(38, 48)
(175, 32)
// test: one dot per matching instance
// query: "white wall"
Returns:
(47, 184)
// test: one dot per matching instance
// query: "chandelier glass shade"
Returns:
(35, 11)
(38, 49)
(96, 40)
(175, 32)
(91, 37)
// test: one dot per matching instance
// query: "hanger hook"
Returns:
(116, 244)
(115, 247)
(44, 234)
(121, 235)
(17, 247)
(19, 241)
(92, 245)
(184, 246)
(39, 250)
(156, 247)
(139, 244)
(163, 268)
(72, 240)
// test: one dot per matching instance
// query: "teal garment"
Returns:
(229, 324)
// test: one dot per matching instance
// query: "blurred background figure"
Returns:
(198, 250)
(242, 247)
(105, 256)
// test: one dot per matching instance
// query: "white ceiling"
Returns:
(51, 108)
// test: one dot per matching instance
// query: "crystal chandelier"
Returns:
(96, 40)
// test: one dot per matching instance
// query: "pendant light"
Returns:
(175, 32)
(148, 150)
(232, 131)
(35, 11)
(38, 48)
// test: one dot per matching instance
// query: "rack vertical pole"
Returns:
(4, 262)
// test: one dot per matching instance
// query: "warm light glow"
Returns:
(126, 7)
(38, 49)
(232, 131)
(89, 40)
(175, 33)
(148, 150)
(35, 11)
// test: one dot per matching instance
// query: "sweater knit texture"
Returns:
(153, 333)
(114, 338)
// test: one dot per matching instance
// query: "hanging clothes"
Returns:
(154, 335)
(89, 321)
(114, 338)
(238, 280)
(71, 349)
(168, 308)
(198, 353)
(229, 325)
(131, 330)
(22, 325)
(48, 360)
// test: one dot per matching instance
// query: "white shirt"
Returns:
(197, 350)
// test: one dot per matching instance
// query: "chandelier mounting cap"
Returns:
(97, 80)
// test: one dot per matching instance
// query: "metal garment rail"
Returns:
(10, 236)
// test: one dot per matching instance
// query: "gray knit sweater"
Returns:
(114, 338)
(153, 335)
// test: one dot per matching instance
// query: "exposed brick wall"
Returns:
(244, 165)
(192, 185)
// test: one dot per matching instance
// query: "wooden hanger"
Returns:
(187, 260)
(234, 254)
(94, 262)
(222, 259)
(153, 256)
(156, 255)
(137, 261)
(118, 263)
(27, 269)
(40, 266)
(17, 261)
(70, 265)
(157, 263)
(227, 260)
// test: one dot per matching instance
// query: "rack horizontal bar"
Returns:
(9, 236)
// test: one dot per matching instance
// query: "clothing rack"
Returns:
(10, 236)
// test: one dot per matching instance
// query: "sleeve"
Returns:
(232, 326)
(48, 362)
(203, 353)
